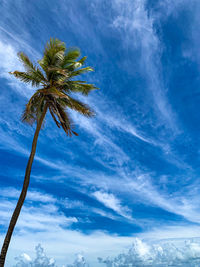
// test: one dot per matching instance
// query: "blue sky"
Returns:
(133, 171)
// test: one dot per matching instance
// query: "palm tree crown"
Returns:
(55, 75)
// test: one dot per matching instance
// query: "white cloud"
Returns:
(24, 260)
(137, 27)
(10, 192)
(131, 185)
(166, 253)
(151, 249)
(62, 244)
(110, 201)
(39, 212)
(114, 117)
(10, 62)
(183, 202)
(174, 231)
(111, 152)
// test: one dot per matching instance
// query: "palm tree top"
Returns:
(55, 76)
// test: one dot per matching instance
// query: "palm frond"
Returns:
(80, 71)
(82, 60)
(52, 92)
(65, 101)
(54, 53)
(59, 73)
(52, 111)
(70, 57)
(64, 118)
(76, 105)
(25, 77)
(77, 87)
(29, 67)
(70, 62)
(34, 108)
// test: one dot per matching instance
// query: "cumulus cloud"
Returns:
(177, 252)
(41, 260)
(183, 253)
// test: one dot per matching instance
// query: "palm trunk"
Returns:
(23, 192)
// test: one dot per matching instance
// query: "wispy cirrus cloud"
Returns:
(13, 193)
(39, 210)
(137, 27)
(110, 201)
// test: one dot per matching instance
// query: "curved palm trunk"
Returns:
(23, 192)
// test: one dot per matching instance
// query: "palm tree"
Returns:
(55, 78)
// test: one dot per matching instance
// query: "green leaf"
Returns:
(76, 105)
(78, 86)
(34, 108)
(33, 78)
(81, 71)
(53, 54)
(29, 67)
